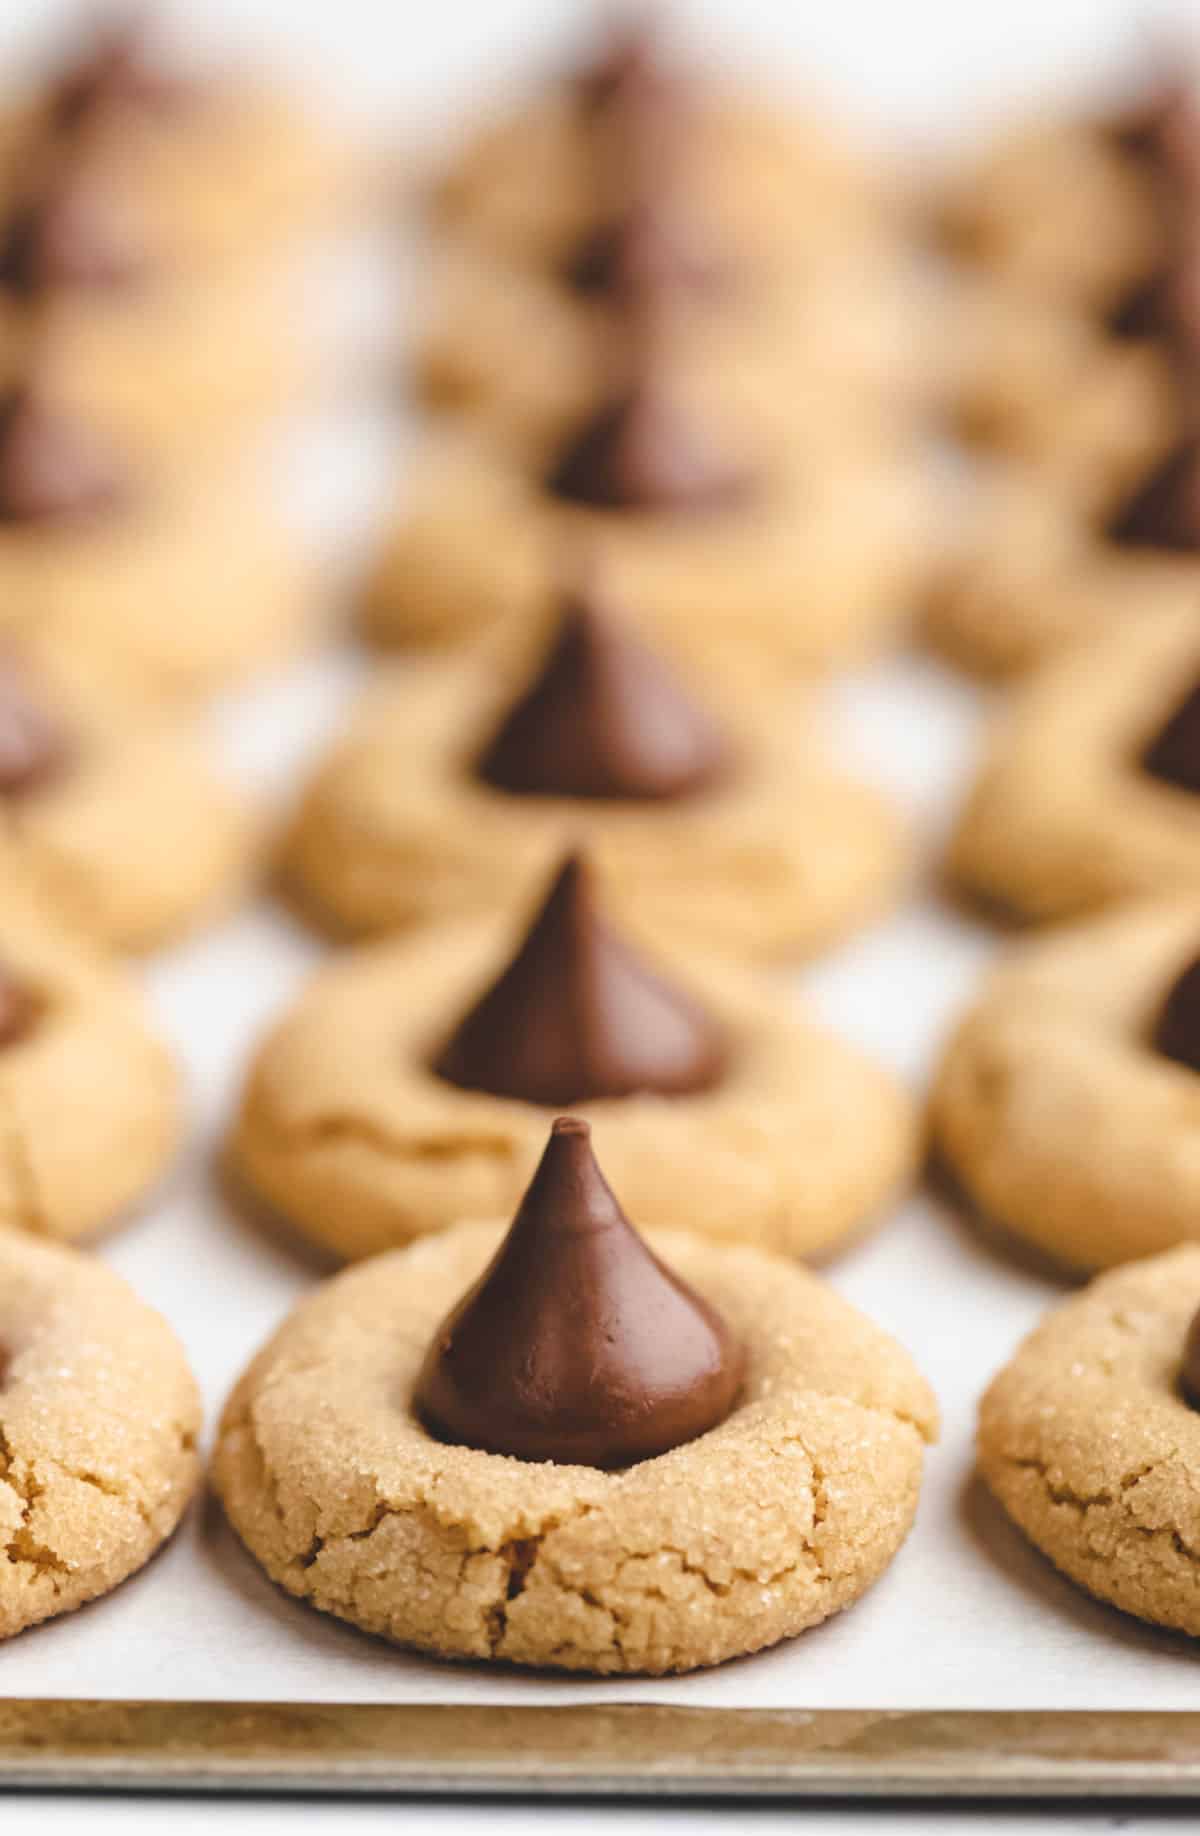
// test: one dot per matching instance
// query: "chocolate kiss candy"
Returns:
(1189, 1375)
(604, 717)
(70, 236)
(577, 1016)
(119, 73)
(1177, 1028)
(641, 452)
(1164, 511)
(50, 469)
(1174, 752)
(577, 1344)
(33, 746)
(18, 1010)
(651, 251)
(630, 58)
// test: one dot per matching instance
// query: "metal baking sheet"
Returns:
(971, 1639)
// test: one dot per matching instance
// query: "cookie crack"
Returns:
(1083, 1502)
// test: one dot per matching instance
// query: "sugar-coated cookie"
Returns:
(112, 809)
(734, 543)
(410, 1086)
(1067, 1105)
(709, 813)
(1086, 794)
(611, 1456)
(1089, 1441)
(90, 1109)
(99, 1416)
(185, 580)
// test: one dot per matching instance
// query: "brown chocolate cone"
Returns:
(1177, 1028)
(577, 1016)
(1174, 752)
(653, 251)
(1164, 510)
(642, 451)
(34, 746)
(576, 1344)
(603, 717)
(52, 469)
(630, 57)
(118, 73)
(71, 235)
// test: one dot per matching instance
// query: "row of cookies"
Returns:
(563, 1480)
(482, 1519)
(149, 221)
(604, 784)
(1074, 359)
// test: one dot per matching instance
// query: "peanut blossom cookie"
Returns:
(732, 547)
(125, 337)
(89, 1099)
(1082, 210)
(1090, 1438)
(456, 789)
(1091, 790)
(221, 164)
(99, 1416)
(534, 185)
(1041, 567)
(521, 340)
(182, 583)
(1053, 388)
(410, 1087)
(598, 1460)
(113, 812)
(1066, 1101)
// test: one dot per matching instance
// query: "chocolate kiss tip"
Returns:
(603, 717)
(1174, 753)
(577, 1345)
(1177, 1029)
(51, 469)
(577, 1016)
(641, 451)
(118, 70)
(1164, 510)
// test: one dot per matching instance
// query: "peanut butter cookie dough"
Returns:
(184, 582)
(1088, 794)
(561, 1473)
(410, 1087)
(734, 546)
(1090, 1442)
(460, 783)
(1066, 1100)
(90, 1110)
(99, 1416)
(112, 810)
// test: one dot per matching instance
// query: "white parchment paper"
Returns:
(968, 1616)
